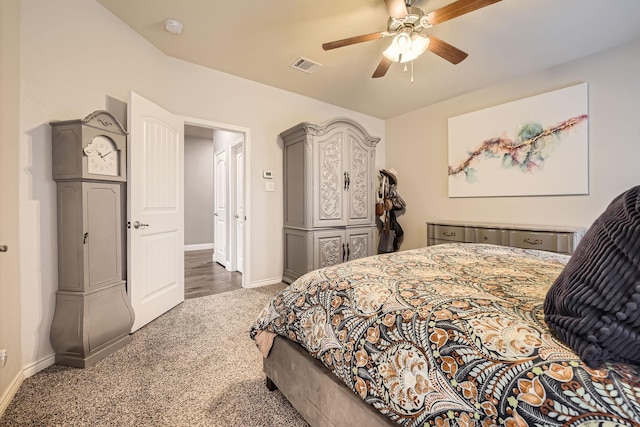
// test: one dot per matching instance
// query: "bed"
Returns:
(446, 335)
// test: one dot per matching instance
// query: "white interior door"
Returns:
(220, 200)
(155, 272)
(239, 154)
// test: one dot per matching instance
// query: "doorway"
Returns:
(214, 208)
(155, 199)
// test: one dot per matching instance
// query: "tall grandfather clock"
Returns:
(93, 315)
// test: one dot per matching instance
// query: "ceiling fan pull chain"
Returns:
(411, 71)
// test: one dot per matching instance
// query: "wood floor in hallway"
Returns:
(203, 276)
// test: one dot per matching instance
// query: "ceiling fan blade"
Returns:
(352, 40)
(445, 50)
(456, 9)
(383, 66)
(396, 8)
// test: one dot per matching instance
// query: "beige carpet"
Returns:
(194, 366)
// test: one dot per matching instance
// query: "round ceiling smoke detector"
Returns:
(173, 26)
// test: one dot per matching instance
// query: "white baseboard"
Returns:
(198, 247)
(39, 365)
(26, 372)
(6, 398)
(266, 282)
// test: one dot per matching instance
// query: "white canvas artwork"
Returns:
(530, 147)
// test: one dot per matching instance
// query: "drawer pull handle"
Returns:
(533, 242)
(449, 234)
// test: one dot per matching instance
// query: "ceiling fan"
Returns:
(406, 24)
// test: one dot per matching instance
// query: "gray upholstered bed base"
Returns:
(320, 397)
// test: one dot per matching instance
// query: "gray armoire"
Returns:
(329, 198)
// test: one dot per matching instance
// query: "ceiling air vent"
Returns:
(306, 65)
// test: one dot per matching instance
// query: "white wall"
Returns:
(417, 148)
(73, 55)
(266, 111)
(198, 191)
(10, 329)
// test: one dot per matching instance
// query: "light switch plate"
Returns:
(267, 174)
(269, 186)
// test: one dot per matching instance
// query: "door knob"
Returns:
(237, 216)
(215, 214)
(4, 248)
(138, 224)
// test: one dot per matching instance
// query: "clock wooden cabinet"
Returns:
(91, 148)
(89, 224)
(93, 315)
(329, 194)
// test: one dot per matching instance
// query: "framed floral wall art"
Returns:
(531, 147)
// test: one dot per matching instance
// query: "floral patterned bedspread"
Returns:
(451, 335)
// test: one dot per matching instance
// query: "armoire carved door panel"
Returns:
(329, 180)
(359, 243)
(328, 248)
(360, 203)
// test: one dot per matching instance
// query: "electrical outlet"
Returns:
(3, 358)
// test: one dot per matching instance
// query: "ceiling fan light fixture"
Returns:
(418, 46)
(402, 42)
(399, 47)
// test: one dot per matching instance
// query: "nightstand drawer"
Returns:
(534, 240)
(448, 233)
(488, 235)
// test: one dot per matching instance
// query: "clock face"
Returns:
(102, 157)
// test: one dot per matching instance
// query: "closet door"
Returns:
(240, 213)
(220, 208)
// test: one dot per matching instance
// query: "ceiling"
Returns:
(260, 39)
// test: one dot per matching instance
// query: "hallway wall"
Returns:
(198, 191)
